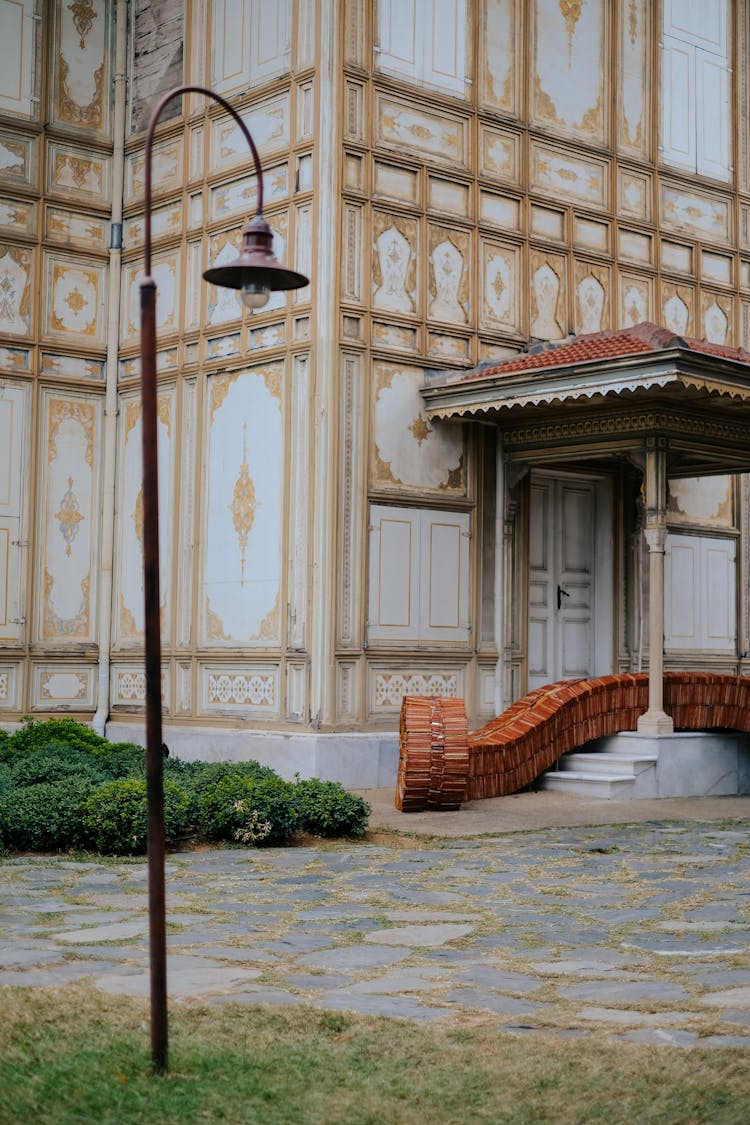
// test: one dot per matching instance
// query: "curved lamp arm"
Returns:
(167, 98)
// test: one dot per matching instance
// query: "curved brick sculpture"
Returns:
(434, 760)
(519, 745)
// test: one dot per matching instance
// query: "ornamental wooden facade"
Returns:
(461, 181)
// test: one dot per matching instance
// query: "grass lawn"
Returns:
(75, 1056)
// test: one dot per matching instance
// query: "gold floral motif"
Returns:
(570, 10)
(215, 625)
(272, 379)
(633, 20)
(421, 429)
(165, 415)
(62, 410)
(128, 626)
(74, 627)
(69, 516)
(83, 18)
(220, 385)
(269, 626)
(92, 114)
(132, 414)
(137, 516)
(243, 505)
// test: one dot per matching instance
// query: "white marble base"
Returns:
(688, 764)
(358, 761)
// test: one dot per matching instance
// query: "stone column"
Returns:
(655, 720)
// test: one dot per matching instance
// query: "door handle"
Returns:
(560, 595)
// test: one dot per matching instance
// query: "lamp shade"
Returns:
(256, 264)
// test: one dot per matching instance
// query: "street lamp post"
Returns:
(255, 272)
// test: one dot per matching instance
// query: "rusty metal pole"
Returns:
(256, 263)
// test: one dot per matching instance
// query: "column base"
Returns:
(655, 722)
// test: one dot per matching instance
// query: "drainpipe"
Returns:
(499, 622)
(109, 447)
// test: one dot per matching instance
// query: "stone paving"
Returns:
(638, 932)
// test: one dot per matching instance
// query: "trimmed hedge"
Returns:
(63, 787)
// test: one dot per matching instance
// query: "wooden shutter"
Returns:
(444, 44)
(700, 593)
(400, 50)
(678, 103)
(394, 573)
(713, 116)
(444, 576)
(250, 42)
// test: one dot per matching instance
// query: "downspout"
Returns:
(499, 621)
(109, 447)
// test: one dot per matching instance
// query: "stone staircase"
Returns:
(607, 769)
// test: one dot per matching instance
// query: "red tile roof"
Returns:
(614, 344)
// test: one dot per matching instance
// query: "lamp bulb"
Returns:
(255, 295)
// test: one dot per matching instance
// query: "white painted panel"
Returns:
(17, 57)
(681, 588)
(718, 601)
(678, 103)
(700, 22)
(576, 649)
(445, 586)
(398, 36)
(397, 603)
(445, 44)
(713, 116)
(270, 39)
(231, 46)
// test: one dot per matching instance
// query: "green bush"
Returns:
(115, 816)
(35, 734)
(325, 808)
(44, 817)
(247, 809)
(201, 777)
(54, 762)
(121, 759)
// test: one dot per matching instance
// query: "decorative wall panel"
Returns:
(592, 290)
(388, 685)
(448, 295)
(166, 270)
(296, 692)
(299, 501)
(63, 687)
(351, 490)
(449, 196)
(17, 217)
(90, 232)
(19, 94)
(69, 518)
(500, 288)
(634, 195)
(78, 175)
(238, 199)
(355, 41)
(10, 687)
(500, 212)
(186, 516)
(500, 55)
(408, 451)
(548, 296)
(75, 300)
(128, 687)
(223, 247)
(304, 260)
(14, 359)
(704, 500)
(717, 317)
(591, 235)
(13, 472)
(407, 127)
(352, 256)
(128, 586)
(166, 222)
(247, 689)
(72, 367)
(16, 290)
(166, 169)
(548, 223)
(393, 182)
(677, 305)
(633, 132)
(347, 690)
(570, 91)
(354, 111)
(240, 586)
(269, 125)
(717, 267)
(636, 299)
(702, 215)
(499, 154)
(394, 267)
(81, 73)
(18, 160)
(556, 173)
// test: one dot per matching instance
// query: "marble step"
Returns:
(607, 762)
(603, 786)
